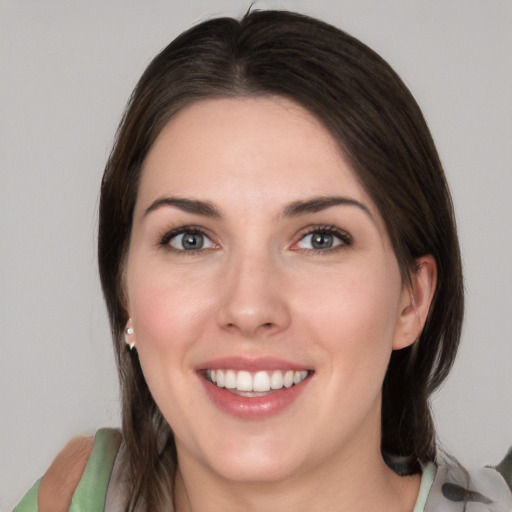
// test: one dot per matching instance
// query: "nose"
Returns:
(253, 299)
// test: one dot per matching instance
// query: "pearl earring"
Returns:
(128, 332)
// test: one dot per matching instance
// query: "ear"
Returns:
(415, 302)
(129, 334)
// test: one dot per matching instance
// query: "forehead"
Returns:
(256, 150)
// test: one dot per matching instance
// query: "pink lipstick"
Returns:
(253, 388)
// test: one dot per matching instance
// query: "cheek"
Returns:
(167, 310)
(359, 302)
(168, 315)
(353, 316)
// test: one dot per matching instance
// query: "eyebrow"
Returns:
(295, 209)
(187, 205)
(317, 204)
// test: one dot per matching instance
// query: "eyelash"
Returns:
(164, 241)
(345, 238)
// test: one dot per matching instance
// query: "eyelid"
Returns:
(168, 235)
(343, 236)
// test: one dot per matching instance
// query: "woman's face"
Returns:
(257, 260)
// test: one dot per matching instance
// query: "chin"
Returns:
(252, 460)
(259, 471)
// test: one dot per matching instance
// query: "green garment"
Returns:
(91, 491)
(505, 468)
(444, 488)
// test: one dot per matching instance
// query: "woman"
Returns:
(279, 259)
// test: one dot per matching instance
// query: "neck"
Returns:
(355, 482)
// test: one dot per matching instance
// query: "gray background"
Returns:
(66, 70)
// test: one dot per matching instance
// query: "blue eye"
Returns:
(324, 240)
(190, 241)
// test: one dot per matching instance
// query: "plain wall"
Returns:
(66, 71)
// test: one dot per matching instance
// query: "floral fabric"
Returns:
(443, 488)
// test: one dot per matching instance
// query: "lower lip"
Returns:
(256, 407)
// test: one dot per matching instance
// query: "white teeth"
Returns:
(299, 377)
(276, 380)
(230, 380)
(288, 379)
(260, 382)
(243, 381)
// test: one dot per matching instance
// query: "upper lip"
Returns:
(250, 364)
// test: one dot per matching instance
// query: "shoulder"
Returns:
(60, 481)
(505, 468)
(455, 489)
(78, 476)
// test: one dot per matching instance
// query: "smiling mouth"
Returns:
(256, 383)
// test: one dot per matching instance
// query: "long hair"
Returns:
(378, 126)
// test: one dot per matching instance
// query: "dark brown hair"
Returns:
(377, 124)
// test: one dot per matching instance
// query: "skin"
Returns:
(60, 480)
(259, 289)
